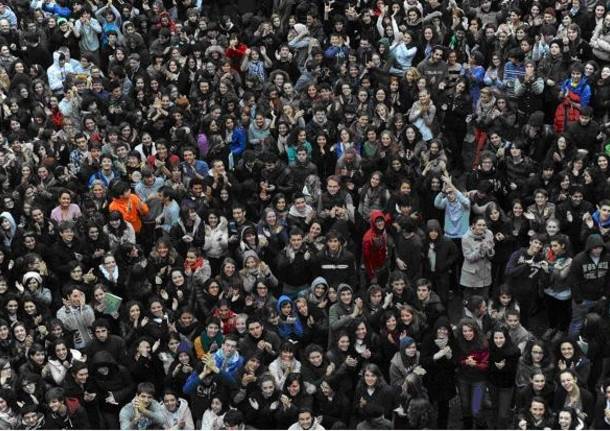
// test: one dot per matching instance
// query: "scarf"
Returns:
(206, 341)
(110, 277)
(195, 265)
(307, 212)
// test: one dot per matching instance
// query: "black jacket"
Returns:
(339, 268)
(588, 279)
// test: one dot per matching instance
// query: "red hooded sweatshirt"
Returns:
(375, 244)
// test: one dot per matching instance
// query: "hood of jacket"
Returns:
(375, 214)
(103, 358)
(247, 254)
(434, 224)
(281, 301)
(318, 280)
(594, 240)
(7, 215)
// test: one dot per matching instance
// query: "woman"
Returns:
(119, 231)
(569, 356)
(373, 196)
(457, 109)
(503, 359)
(528, 90)
(478, 249)
(536, 417)
(567, 419)
(412, 322)
(346, 362)
(438, 358)
(258, 409)
(536, 357)
(422, 115)
(292, 399)
(405, 362)
(213, 417)
(372, 389)
(557, 293)
(66, 210)
(9, 410)
(570, 394)
(61, 359)
(365, 341)
(503, 242)
(144, 365)
(216, 240)
(110, 275)
(188, 232)
(472, 357)
(132, 326)
(161, 259)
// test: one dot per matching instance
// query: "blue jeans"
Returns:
(471, 397)
(579, 311)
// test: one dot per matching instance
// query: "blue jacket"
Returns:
(227, 373)
(582, 89)
(288, 330)
(238, 141)
(457, 214)
(57, 10)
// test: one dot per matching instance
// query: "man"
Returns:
(129, 205)
(408, 255)
(522, 275)
(294, 265)
(87, 30)
(275, 176)
(434, 68)
(32, 418)
(570, 214)
(196, 198)
(588, 277)
(598, 222)
(191, 167)
(103, 340)
(306, 421)
(143, 412)
(457, 210)
(59, 71)
(428, 301)
(302, 168)
(260, 341)
(149, 186)
(441, 255)
(234, 420)
(171, 210)
(76, 315)
(66, 250)
(226, 362)
(335, 262)
(518, 334)
(63, 416)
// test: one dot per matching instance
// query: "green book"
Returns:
(112, 302)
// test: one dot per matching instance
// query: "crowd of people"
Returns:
(299, 214)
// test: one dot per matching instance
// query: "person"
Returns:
(62, 415)
(473, 362)
(587, 280)
(522, 273)
(262, 119)
(76, 315)
(478, 249)
(306, 421)
(143, 412)
(503, 360)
